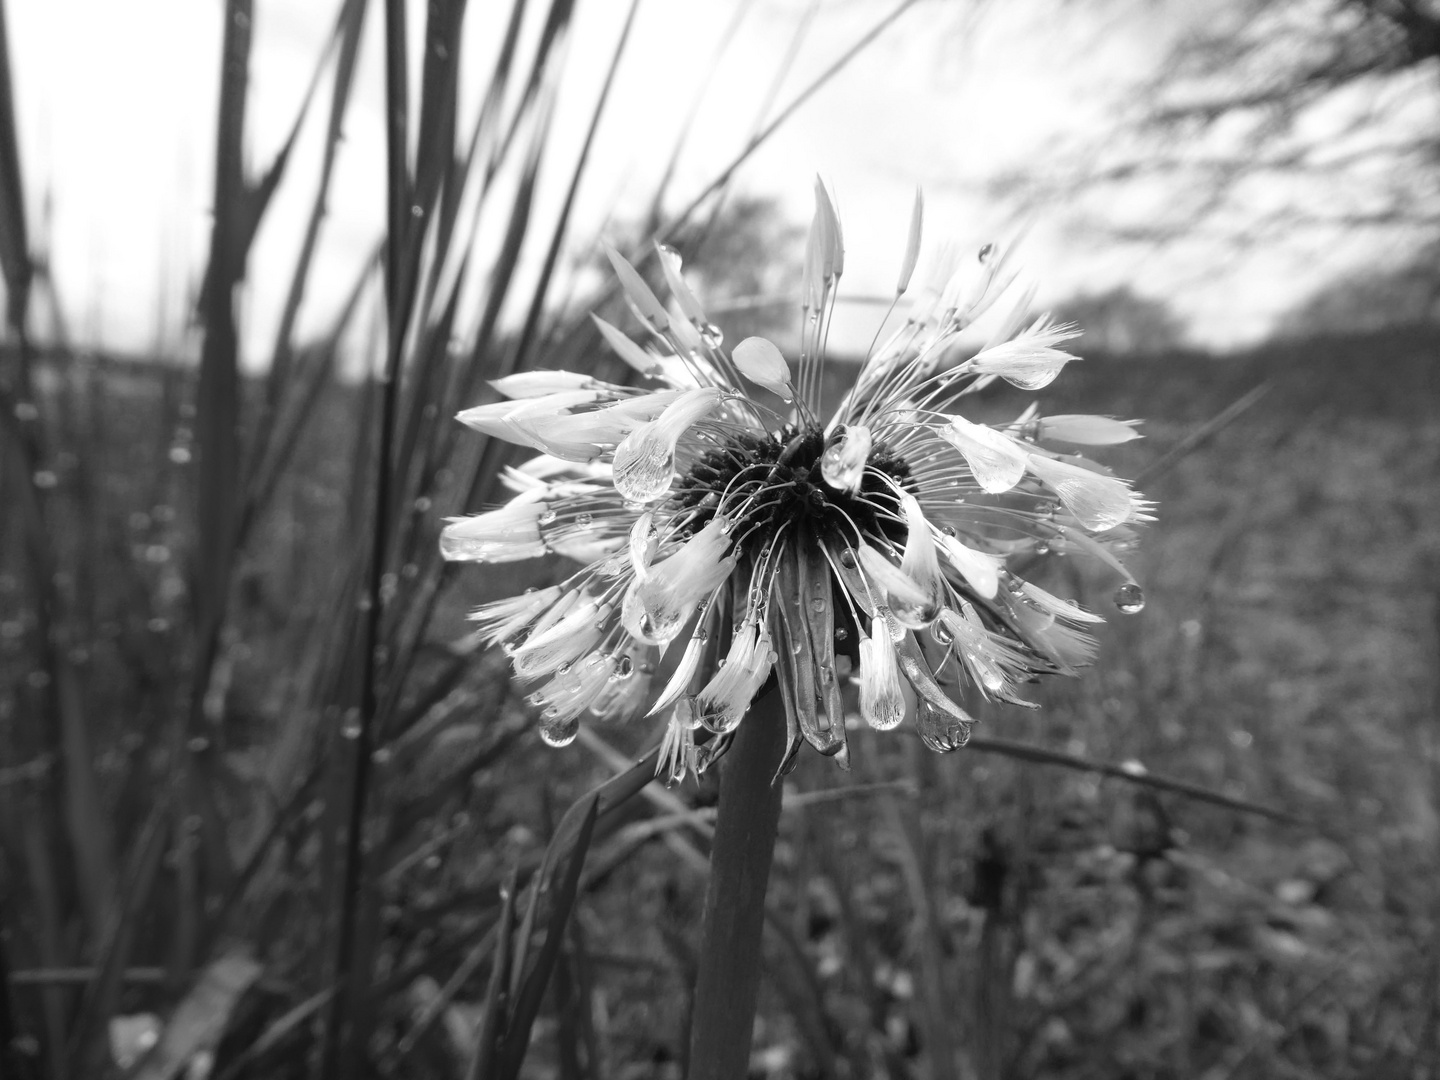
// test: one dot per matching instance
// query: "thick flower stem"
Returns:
(728, 983)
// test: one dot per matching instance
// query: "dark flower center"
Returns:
(769, 481)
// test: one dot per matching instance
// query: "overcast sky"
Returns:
(117, 105)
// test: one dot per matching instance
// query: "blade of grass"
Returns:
(349, 27)
(87, 1047)
(926, 944)
(1202, 434)
(15, 261)
(527, 1002)
(1027, 752)
(217, 417)
(759, 138)
(276, 1033)
(436, 1006)
(343, 1044)
(492, 1027)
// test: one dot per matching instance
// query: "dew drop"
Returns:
(624, 668)
(842, 634)
(847, 559)
(559, 730)
(350, 728)
(546, 517)
(584, 521)
(986, 253)
(941, 633)
(1130, 598)
(686, 714)
(817, 605)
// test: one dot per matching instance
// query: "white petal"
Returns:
(762, 362)
(982, 571)
(1098, 502)
(995, 459)
(529, 384)
(1087, 430)
(843, 463)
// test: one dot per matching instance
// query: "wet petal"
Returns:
(843, 463)
(762, 362)
(1098, 502)
(996, 460)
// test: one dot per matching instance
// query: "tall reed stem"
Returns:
(727, 986)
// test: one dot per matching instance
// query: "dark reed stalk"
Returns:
(727, 984)
(343, 1045)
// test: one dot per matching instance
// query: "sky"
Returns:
(117, 133)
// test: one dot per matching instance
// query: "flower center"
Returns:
(769, 482)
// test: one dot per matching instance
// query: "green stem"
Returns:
(727, 985)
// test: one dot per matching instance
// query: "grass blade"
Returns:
(1027, 752)
(532, 990)
(493, 1025)
(15, 261)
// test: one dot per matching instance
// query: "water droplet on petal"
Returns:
(624, 668)
(559, 730)
(686, 715)
(1130, 598)
(546, 517)
(584, 521)
(986, 253)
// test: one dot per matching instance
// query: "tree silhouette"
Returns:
(1269, 116)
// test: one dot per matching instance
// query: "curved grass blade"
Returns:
(527, 1002)
(1026, 752)
(493, 1024)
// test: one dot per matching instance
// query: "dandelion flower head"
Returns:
(731, 541)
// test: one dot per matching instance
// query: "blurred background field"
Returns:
(260, 796)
